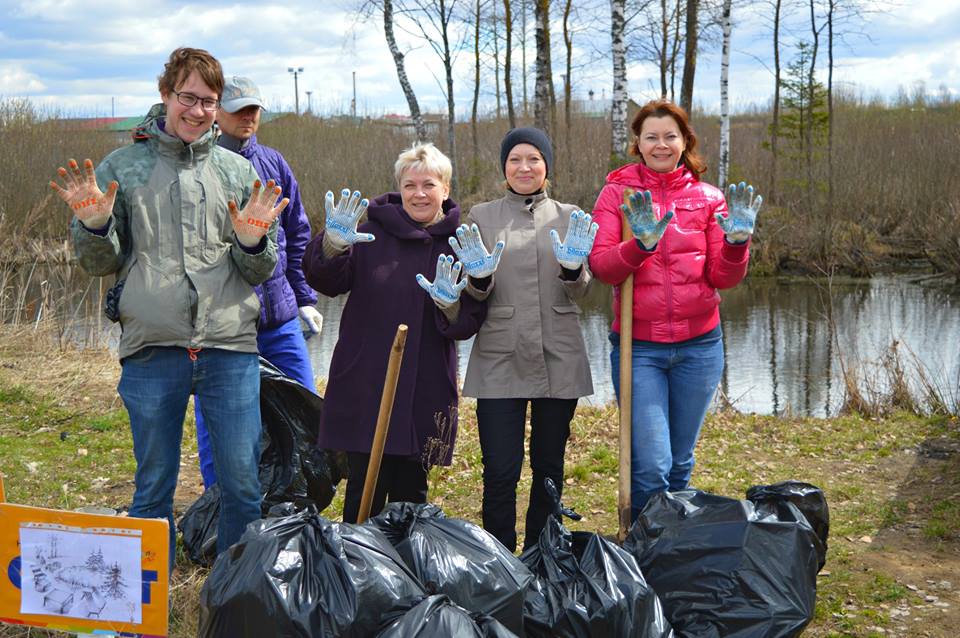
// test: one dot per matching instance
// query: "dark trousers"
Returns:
(401, 479)
(501, 423)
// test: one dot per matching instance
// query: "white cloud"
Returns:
(15, 80)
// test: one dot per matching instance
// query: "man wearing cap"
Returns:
(285, 296)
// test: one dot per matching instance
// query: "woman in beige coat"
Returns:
(530, 348)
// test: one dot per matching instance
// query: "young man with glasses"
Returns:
(285, 295)
(189, 230)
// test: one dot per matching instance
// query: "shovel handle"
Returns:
(626, 391)
(383, 422)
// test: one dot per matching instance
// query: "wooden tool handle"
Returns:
(383, 422)
(626, 391)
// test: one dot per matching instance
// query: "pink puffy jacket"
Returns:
(675, 286)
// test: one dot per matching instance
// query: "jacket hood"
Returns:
(387, 210)
(639, 175)
(151, 128)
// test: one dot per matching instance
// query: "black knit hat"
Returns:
(526, 135)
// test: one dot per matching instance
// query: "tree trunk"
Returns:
(725, 99)
(507, 79)
(811, 95)
(831, 5)
(618, 108)
(476, 82)
(567, 82)
(496, 54)
(689, 56)
(544, 99)
(775, 126)
(664, 42)
(451, 112)
(674, 50)
(523, 52)
(402, 73)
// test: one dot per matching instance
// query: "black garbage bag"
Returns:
(725, 567)
(458, 558)
(587, 586)
(809, 499)
(198, 525)
(437, 615)
(292, 468)
(304, 576)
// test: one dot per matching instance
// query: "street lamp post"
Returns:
(296, 91)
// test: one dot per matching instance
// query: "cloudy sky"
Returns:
(84, 58)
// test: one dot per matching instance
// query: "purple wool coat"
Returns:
(381, 279)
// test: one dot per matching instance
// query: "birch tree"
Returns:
(690, 52)
(412, 104)
(775, 126)
(508, 54)
(433, 22)
(618, 106)
(544, 99)
(725, 98)
(476, 79)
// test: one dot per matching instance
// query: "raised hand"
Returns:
(253, 222)
(445, 291)
(469, 248)
(572, 253)
(81, 193)
(343, 218)
(638, 207)
(738, 225)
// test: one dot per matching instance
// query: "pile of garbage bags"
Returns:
(694, 564)
(291, 469)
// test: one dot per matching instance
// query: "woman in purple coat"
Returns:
(382, 267)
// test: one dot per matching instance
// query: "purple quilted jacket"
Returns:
(286, 289)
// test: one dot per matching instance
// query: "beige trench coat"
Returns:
(530, 345)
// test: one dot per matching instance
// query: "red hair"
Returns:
(690, 158)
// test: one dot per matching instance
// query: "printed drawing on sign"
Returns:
(67, 574)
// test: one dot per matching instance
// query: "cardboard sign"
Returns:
(83, 572)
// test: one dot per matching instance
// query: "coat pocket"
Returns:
(691, 214)
(497, 334)
(567, 335)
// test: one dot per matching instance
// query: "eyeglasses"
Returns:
(189, 100)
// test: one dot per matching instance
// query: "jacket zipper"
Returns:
(668, 290)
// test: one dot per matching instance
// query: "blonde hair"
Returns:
(425, 157)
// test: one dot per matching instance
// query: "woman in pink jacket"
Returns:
(685, 247)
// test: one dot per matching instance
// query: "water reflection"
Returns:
(781, 339)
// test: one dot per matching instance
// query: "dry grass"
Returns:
(888, 481)
(895, 189)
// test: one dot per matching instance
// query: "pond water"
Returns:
(786, 342)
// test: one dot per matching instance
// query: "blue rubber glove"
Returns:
(739, 224)
(647, 230)
(572, 253)
(343, 218)
(469, 248)
(445, 291)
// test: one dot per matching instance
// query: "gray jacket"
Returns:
(530, 345)
(188, 282)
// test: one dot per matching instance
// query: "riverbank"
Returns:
(893, 483)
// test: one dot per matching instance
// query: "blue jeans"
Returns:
(155, 385)
(673, 385)
(284, 347)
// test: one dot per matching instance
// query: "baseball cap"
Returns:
(240, 92)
